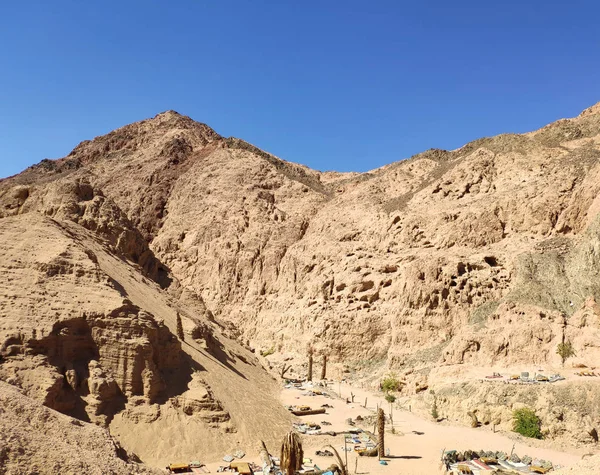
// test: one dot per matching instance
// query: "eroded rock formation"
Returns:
(485, 255)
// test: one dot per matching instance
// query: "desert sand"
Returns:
(416, 446)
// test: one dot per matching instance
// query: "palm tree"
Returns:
(381, 432)
(343, 468)
(291, 453)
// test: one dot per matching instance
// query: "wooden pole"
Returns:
(365, 403)
(345, 450)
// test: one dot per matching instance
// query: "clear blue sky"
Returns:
(345, 85)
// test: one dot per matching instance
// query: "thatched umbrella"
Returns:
(291, 453)
(381, 432)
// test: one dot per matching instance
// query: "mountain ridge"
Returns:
(431, 267)
(172, 116)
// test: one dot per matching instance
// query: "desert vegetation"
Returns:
(527, 423)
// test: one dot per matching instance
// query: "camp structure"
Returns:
(178, 467)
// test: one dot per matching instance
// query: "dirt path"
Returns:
(417, 445)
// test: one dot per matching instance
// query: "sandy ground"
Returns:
(414, 449)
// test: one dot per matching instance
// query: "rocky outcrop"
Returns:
(411, 252)
(84, 332)
(36, 439)
(78, 201)
(97, 362)
(568, 412)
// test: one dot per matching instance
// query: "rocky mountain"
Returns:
(485, 255)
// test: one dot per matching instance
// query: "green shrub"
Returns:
(268, 352)
(390, 398)
(565, 351)
(527, 423)
(390, 383)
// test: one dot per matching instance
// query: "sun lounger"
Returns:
(494, 376)
(242, 467)
(507, 465)
(536, 469)
(482, 466)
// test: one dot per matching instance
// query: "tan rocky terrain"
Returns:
(483, 256)
(85, 333)
(35, 439)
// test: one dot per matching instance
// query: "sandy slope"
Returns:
(35, 439)
(235, 377)
(57, 273)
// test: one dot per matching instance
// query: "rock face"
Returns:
(441, 258)
(85, 332)
(93, 356)
(36, 439)
(568, 411)
(485, 255)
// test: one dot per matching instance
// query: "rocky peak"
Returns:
(595, 109)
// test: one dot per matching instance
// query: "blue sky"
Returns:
(348, 85)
